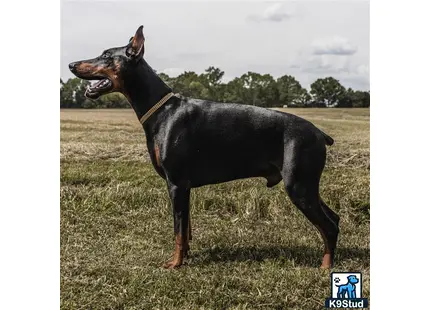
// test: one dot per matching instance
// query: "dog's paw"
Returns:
(172, 265)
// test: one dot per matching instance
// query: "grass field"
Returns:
(251, 248)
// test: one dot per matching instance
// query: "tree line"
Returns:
(251, 88)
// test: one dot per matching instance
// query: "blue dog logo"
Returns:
(347, 295)
(347, 290)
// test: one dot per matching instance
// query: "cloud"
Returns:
(327, 64)
(172, 72)
(193, 56)
(333, 46)
(356, 82)
(363, 70)
(188, 38)
(349, 75)
(275, 13)
(345, 68)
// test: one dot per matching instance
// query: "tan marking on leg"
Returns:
(326, 261)
(157, 155)
(181, 246)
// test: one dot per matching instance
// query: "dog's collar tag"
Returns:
(151, 111)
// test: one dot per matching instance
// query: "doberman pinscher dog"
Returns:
(193, 143)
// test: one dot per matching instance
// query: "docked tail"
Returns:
(328, 140)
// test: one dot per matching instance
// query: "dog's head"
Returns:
(110, 67)
(352, 279)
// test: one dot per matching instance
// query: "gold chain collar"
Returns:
(151, 111)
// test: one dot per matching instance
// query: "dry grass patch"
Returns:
(252, 249)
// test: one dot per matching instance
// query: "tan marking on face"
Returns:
(113, 76)
(117, 66)
(87, 68)
(113, 73)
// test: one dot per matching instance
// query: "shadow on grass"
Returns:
(301, 255)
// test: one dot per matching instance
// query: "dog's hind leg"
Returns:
(309, 204)
(180, 198)
(330, 213)
(301, 174)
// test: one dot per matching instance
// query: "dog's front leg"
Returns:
(180, 198)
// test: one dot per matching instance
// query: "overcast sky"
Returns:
(306, 39)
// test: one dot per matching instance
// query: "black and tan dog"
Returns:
(194, 142)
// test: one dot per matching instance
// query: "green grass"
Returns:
(251, 248)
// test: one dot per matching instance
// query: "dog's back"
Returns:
(226, 141)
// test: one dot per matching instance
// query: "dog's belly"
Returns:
(206, 171)
(214, 176)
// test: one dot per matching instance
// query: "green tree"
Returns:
(270, 92)
(259, 90)
(251, 88)
(303, 98)
(72, 93)
(361, 99)
(355, 99)
(66, 97)
(346, 99)
(183, 85)
(80, 92)
(291, 92)
(234, 91)
(67, 93)
(199, 91)
(112, 101)
(211, 80)
(327, 92)
(213, 76)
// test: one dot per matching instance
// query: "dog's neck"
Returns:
(144, 88)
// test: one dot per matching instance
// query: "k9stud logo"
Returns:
(346, 291)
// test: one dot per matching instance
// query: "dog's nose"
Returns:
(72, 66)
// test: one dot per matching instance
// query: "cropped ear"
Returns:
(136, 47)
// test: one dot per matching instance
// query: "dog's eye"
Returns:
(106, 55)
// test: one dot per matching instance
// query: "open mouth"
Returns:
(100, 87)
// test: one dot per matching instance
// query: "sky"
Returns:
(305, 39)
